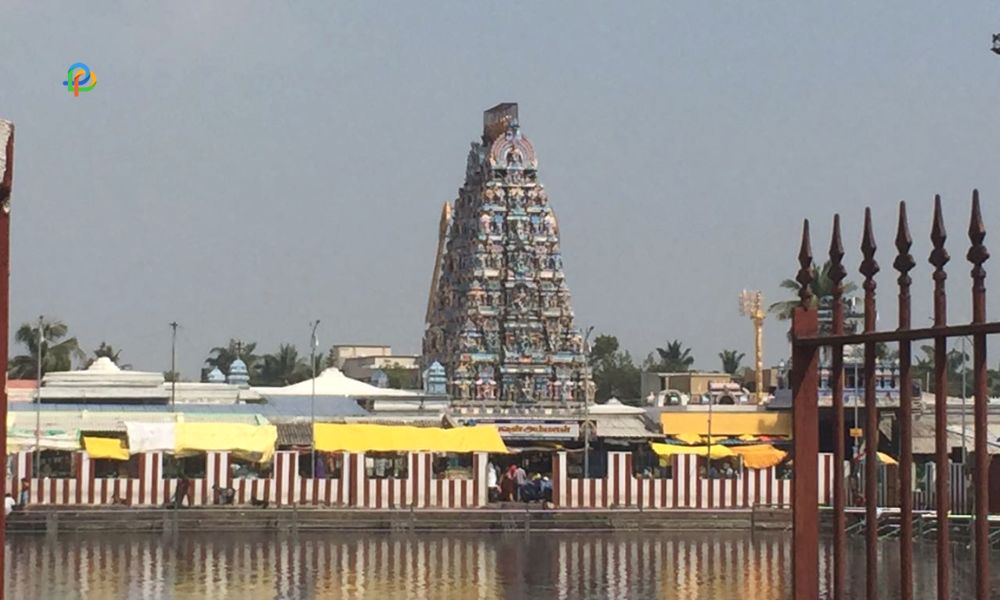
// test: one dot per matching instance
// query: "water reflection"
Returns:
(486, 566)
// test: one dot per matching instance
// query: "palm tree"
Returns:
(675, 358)
(731, 361)
(821, 286)
(284, 367)
(56, 355)
(108, 351)
(223, 356)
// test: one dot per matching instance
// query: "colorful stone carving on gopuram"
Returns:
(499, 317)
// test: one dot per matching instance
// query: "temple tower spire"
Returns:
(500, 320)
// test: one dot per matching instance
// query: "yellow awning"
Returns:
(335, 437)
(255, 442)
(695, 439)
(100, 447)
(688, 438)
(726, 423)
(759, 456)
(885, 459)
(666, 450)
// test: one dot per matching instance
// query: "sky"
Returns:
(244, 168)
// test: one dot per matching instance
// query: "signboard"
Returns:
(534, 430)
(857, 432)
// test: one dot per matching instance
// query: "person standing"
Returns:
(25, 492)
(520, 479)
(492, 485)
(508, 487)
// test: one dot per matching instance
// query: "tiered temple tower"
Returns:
(499, 317)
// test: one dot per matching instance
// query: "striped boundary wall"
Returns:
(686, 489)
(420, 489)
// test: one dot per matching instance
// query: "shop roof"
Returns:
(622, 426)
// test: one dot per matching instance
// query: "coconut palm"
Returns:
(284, 367)
(57, 353)
(675, 358)
(731, 360)
(821, 286)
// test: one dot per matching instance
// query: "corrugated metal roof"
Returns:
(294, 434)
(622, 426)
(287, 406)
(325, 407)
(923, 437)
(115, 421)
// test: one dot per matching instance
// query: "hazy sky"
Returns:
(245, 167)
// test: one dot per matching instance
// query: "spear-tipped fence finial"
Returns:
(837, 271)
(939, 256)
(805, 275)
(904, 260)
(978, 254)
(869, 267)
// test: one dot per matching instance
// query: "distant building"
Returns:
(343, 352)
(693, 384)
(361, 362)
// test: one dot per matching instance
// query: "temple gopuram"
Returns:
(499, 318)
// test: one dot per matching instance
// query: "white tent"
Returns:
(331, 382)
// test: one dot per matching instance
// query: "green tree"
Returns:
(169, 376)
(615, 374)
(675, 358)
(57, 353)
(283, 367)
(956, 360)
(400, 377)
(222, 356)
(822, 290)
(731, 360)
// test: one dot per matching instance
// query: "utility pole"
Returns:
(38, 401)
(313, 343)
(965, 359)
(173, 363)
(708, 456)
(6, 183)
(586, 406)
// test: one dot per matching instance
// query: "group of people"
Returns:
(719, 469)
(514, 484)
(10, 505)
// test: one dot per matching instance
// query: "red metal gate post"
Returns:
(903, 263)
(977, 256)
(837, 274)
(869, 268)
(939, 258)
(6, 183)
(805, 431)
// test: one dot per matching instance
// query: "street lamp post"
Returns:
(313, 343)
(586, 405)
(38, 400)
(173, 363)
